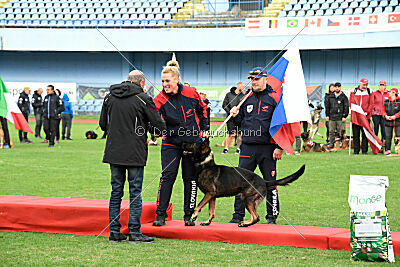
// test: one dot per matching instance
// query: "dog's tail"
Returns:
(287, 180)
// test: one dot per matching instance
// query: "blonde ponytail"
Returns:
(172, 67)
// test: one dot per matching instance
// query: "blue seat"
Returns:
(364, 4)
(373, 3)
(312, 1)
(378, 10)
(85, 23)
(397, 9)
(291, 13)
(297, 7)
(280, 15)
(329, 12)
(383, 3)
(315, 7)
(388, 9)
(306, 7)
(288, 7)
(358, 11)
(344, 5)
(302, 2)
(339, 11)
(368, 10)
(394, 3)
(301, 13)
(354, 4)
(348, 11)
(334, 5)
(319, 12)
(325, 6)
(310, 13)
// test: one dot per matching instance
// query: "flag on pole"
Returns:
(10, 110)
(286, 78)
(358, 117)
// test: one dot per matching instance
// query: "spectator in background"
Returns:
(58, 92)
(4, 128)
(337, 110)
(203, 96)
(331, 90)
(66, 117)
(51, 108)
(361, 95)
(377, 99)
(37, 104)
(24, 105)
(231, 100)
(391, 113)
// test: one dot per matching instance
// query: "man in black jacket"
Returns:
(125, 115)
(37, 103)
(337, 110)
(52, 106)
(24, 106)
(231, 100)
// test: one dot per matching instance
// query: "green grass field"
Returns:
(74, 169)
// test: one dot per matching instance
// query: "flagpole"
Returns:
(230, 115)
(350, 137)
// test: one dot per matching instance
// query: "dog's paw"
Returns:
(242, 225)
(205, 223)
(193, 218)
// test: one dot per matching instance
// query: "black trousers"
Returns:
(58, 129)
(23, 135)
(250, 157)
(4, 126)
(39, 123)
(49, 126)
(389, 135)
(357, 130)
(171, 156)
(379, 121)
(66, 124)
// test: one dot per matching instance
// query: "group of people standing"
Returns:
(179, 115)
(49, 111)
(382, 106)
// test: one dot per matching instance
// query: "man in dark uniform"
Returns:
(52, 106)
(37, 103)
(125, 115)
(258, 147)
(24, 106)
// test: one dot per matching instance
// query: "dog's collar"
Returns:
(206, 160)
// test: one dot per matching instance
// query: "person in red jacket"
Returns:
(361, 95)
(391, 113)
(377, 99)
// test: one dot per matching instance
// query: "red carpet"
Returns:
(90, 216)
(64, 215)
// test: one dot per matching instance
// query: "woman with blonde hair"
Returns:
(185, 115)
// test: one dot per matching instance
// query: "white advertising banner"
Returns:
(323, 25)
(367, 193)
(15, 88)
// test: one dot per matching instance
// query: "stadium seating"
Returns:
(102, 13)
(302, 8)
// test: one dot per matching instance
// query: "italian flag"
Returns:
(10, 110)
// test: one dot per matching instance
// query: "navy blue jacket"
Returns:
(52, 106)
(24, 103)
(255, 116)
(185, 115)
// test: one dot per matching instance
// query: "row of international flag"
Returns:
(338, 23)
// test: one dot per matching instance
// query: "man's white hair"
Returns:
(136, 76)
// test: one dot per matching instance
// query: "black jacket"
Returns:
(255, 117)
(24, 103)
(184, 113)
(52, 106)
(37, 103)
(337, 108)
(391, 108)
(231, 100)
(125, 115)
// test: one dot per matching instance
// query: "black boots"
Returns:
(160, 220)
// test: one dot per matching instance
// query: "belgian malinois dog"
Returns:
(222, 181)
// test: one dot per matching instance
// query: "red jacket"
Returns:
(363, 99)
(377, 99)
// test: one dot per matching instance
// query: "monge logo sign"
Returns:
(366, 202)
